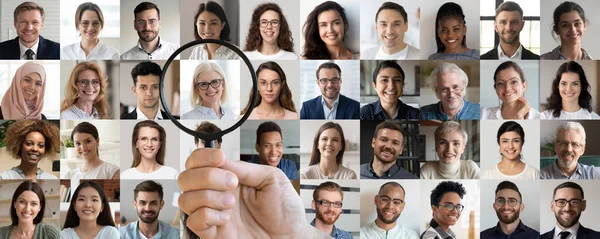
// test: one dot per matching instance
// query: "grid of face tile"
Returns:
(397, 119)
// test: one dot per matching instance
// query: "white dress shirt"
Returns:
(100, 52)
(34, 48)
(163, 51)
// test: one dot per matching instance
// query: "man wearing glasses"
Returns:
(567, 204)
(569, 146)
(330, 104)
(327, 202)
(389, 202)
(508, 206)
(146, 78)
(150, 46)
(446, 207)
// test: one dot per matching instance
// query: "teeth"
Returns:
(390, 92)
(390, 37)
(211, 94)
(452, 41)
(331, 37)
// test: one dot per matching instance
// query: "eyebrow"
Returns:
(337, 19)
(578, 20)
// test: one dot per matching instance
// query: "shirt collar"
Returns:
(573, 230)
(445, 116)
(516, 56)
(556, 170)
(393, 170)
(20, 172)
(158, 233)
(520, 227)
(334, 232)
(379, 108)
(94, 111)
(450, 234)
(139, 45)
(335, 103)
(206, 110)
(142, 116)
(34, 48)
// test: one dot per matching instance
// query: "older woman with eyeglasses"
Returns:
(209, 90)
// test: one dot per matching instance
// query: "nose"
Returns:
(269, 87)
(330, 27)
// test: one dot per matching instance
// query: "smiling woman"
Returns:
(24, 99)
(324, 33)
(269, 35)
(210, 22)
(87, 142)
(85, 94)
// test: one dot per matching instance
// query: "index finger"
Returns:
(205, 157)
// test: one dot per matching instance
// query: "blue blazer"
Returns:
(582, 233)
(47, 50)
(347, 109)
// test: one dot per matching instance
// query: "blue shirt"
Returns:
(469, 111)
(374, 111)
(165, 231)
(287, 166)
(521, 232)
(330, 113)
(337, 233)
(581, 172)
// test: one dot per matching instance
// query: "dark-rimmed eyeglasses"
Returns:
(265, 23)
(95, 83)
(450, 207)
(385, 200)
(333, 80)
(511, 202)
(572, 202)
(213, 83)
(326, 203)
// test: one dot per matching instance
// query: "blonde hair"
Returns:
(203, 68)
(72, 91)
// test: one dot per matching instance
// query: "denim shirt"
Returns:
(336, 233)
(165, 231)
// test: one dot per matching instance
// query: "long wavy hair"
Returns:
(254, 40)
(585, 97)
(315, 156)
(314, 47)
(72, 90)
(104, 218)
(448, 10)
(160, 155)
(285, 94)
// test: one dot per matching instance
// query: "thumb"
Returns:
(253, 175)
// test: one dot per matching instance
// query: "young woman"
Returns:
(327, 155)
(275, 98)
(85, 94)
(324, 33)
(89, 214)
(570, 98)
(148, 145)
(210, 22)
(570, 24)
(451, 35)
(269, 36)
(87, 143)
(24, 98)
(30, 141)
(26, 214)
(511, 138)
(209, 92)
(510, 85)
(450, 143)
(89, 22)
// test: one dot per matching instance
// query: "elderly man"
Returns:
(569, 146)
(449, 83)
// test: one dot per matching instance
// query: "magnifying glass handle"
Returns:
(209, 144)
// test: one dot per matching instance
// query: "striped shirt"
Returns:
(434, 231)
(74, 113)
(468, 55)
(555, 54)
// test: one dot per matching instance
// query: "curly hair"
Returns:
(585, 97)
(285, 95)
(254, 40)
(446, 187)
(17, 132)
(448, 10)
(72, 90)
(314, 47)
(215, 8)
(315, 156)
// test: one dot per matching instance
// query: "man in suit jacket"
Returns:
(29, 45)
(146, 80)
(508, 24)
(330, 104)
(567, 205)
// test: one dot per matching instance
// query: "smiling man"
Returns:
(389, 202)
(269, 145)
(327, 202)
(387, 143)
(146, 79)
(29, 45)
(446, 207)
(391, 23)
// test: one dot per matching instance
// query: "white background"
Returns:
(529, 189)
(489, 98)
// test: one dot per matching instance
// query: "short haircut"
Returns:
(328, 186)
(392, 6)
(509, 6)
(143, 6)
(267, 127)
(508, 185)
(568, 184)
(571, 125)
(506, 65)
(445, 68)
(329, 65)
(388, 125)
(28, 6)
(446, 187)
(207, 128)
(148, 186)
(392, 184)
(450, 126)
(511, 126)
(145, 68)
(387, 64)
(28, 185)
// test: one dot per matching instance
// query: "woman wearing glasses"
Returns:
(87, 144)
(85, 94)
(209, 88)
(210, 22)
(24, 98)
(511, 138)
(148, 145)
(269, 36)
(274, 95)
(89, 21)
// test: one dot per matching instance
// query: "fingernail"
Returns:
(227, 200)
(230, 180)
(224, 216)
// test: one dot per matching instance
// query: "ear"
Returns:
(522, 25)
(375, 200)
(522, 208)
(524, 85)
(134, 203)
(162, 203)
(373, 142)
(133, 89)
(223, 26)
(314, 205)
(257, 147)
(495, 29)
(373, 84)
(583, 205)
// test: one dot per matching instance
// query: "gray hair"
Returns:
(576, 126)
(449, 126)
(444, 68)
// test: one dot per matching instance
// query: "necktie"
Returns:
(29, 54)
(564, 234)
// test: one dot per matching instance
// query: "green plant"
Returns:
(69, 143)
(3, 128)
(548, 147)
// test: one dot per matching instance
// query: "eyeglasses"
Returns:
(214, 83)
(455, 89)
(328, 203)
(334, 81)
(385, 200)
(500, 202)
(572, 202)
(151, 22)
(86, 83)
(450, 207)
(86, 24)
(264, 84)
(565, 144)
(265, 23)
(145, 140)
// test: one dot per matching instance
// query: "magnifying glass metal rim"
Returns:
(211, 136)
